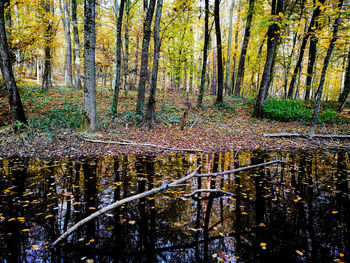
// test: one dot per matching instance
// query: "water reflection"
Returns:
(298, 212)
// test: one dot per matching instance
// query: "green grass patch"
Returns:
(297, 110)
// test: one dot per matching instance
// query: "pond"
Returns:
(292, 212)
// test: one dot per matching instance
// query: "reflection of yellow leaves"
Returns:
(76, 203)
(35, 247)
(299, 252)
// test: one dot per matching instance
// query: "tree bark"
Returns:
(344, 95)
(119, 58)
(127, 41)
(219, 98)
(77, 60)
(89, 119)
(144, 57)
(152, 96)
(241, 65)
(277, 7)
(116, 12)
(205, 54)
(214, 80)
(325, 64)
(68, 77)
(228, 56)
(48, 34)
(310, 30)
(16, 107)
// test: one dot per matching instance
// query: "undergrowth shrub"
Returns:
(298, 110)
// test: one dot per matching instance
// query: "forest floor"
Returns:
(54, 118)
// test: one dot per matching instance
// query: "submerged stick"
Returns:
(208, 191)
(239, 169)
(121, 202)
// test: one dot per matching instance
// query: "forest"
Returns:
(136, 69)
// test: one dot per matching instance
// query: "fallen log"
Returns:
(240, 169)
(142, 144)
(121, 202)
(309, 136)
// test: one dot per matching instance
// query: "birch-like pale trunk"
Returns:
(77, 60)
(229, 41)
(116, 12)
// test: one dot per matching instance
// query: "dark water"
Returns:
(298, 212)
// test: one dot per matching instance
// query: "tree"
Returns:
(228, 57)
(48, 34)
(68, 77)
(344, 95)
(89, 119)
(117, 78)
(326, 63)
(205, 54)
(144, 57)
(241, 65)
(152, 96)
(219, 98)
(77, 61)
(272, 41)
(310, 30)
(16, 107)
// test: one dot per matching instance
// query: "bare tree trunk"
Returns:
(310, 30)
(241, 65)
(68, 77)
(219, 98)
(205, 54)
(89, 119)
(119, 57)
(144, 58)
(16, 107)
(214, 81)
(116, 11)
(277, 7)
(77, 60)
(227, 75)
(48, 34)
(126, 40)
(152, 96)
(343, 96)
(325, 65)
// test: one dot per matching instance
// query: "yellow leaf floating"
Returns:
(334, 212)
(25, 230)
(299, 252)
(263, 244)
(35, 247)
(244, 213)
(48, 216)
(220, 259)
(341, 255)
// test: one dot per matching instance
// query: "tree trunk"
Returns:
(310, 30)
(89, 119)
(205, 54)
(343, 96)
(144, 58)
(214, 81)
(277, 7)
(77, 60)
(16, 107)
(227, 75)
(219, 98)
(241, 65)
(114, 80)
(233, 80)
(126, 39)
(152, 96)
(48, 34)
(326, 63)
(68, 77)
(119, 57)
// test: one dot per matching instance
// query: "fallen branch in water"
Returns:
(219, 191)
(239, 169)
(121, 202)
(309, 136)
(142, 144)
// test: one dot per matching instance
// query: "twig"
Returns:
(142, 144)
(239, 169)
(194, 122)
(121, 202)
(309, 136)
(209, 191)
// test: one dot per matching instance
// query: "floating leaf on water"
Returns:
(335, 212)
(341, 255)
(244, 213)
(299, 252)
(48, 216)
(263, 244)
(92, 240)
(220, 259)
(35, 247)
(131, 222)
(25, 230)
